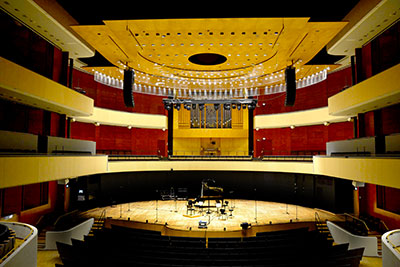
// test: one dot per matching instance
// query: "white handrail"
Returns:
(341, 236)
(390, 245)
(25, 255)
(77, 232)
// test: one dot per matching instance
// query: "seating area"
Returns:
(121, 246)
(7, 240)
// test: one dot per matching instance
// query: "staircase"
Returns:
(379, 244)
(365, 226)
(379, 239)
(322, 228)
(41, 242)
(98, 223)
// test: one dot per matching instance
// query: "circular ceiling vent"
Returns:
(207, 59)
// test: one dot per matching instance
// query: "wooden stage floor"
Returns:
(174, 213)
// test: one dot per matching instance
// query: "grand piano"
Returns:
(211, 196)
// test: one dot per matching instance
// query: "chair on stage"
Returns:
(190, 208)
(223, 215)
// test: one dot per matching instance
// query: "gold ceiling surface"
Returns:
(257, 50)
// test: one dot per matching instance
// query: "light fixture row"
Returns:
(207, 90)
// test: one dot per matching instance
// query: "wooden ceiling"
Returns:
(257, 49)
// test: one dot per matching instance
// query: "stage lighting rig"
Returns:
(226, 103)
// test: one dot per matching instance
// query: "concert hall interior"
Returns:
(158, 134)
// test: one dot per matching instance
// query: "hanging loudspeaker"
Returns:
(129, 79)
(290, 77)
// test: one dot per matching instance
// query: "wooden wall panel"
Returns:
(369, 124)
(368, 205)
(121, 140)
(338, 81)
(390, 120)
(83, 131)
(112, 98)
(300, 140)
(340, 131)
(310, 97)
(32, 216)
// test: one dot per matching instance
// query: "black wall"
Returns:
(314, 191)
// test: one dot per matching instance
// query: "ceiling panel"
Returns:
(256, 49)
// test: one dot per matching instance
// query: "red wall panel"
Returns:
(85, 81)
(57, 64)
(369, 124)
(368, 205)
(300, 140)
(83, 131)
(338, 81)
(112, 98)
(146, 141)
(12, 200)
(114, 139)
(32, 217)
(391, 120)
(314, 96)
(366, 61)
(35, 121)
(306, 98)
(340, 131)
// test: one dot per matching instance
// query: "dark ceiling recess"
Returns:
(323, 58)
(207, 59)
(92, 12)
(96, 61)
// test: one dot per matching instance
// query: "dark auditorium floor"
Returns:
(50, 257)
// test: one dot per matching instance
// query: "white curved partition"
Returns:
(76, 232)
(341, 236)
(391, 249)
(25, 255)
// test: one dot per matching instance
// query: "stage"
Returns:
(175, 215)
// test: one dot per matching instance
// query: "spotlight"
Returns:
(177, 106)
(193, 106)
(227, 106)
(239, 106)
(167, 106)
(201, 106)
(244, 106)
(233, 106)
(216, 106)
(251, 106)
